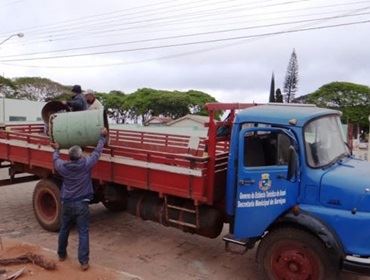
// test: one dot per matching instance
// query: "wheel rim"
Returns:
(292, 260)
(47, 205)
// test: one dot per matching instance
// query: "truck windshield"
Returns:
(324, 141)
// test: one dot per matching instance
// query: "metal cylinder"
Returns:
(149, 206)
(50, 108)
(77, 128)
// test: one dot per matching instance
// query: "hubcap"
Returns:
(293, 261)
(47, 205)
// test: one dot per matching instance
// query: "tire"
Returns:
(290, 253)
(115, 198)
(46, 204)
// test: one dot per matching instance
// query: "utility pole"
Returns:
(368, 143)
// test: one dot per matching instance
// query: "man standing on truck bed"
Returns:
(78, 102)
(92, 102)
(76, 193)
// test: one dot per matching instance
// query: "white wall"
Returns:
(187, 131)
(31, 110)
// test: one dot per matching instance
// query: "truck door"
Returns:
(264, 191)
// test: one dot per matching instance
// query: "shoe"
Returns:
(62, 258)
(85, 266)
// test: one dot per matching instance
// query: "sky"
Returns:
(227, 48)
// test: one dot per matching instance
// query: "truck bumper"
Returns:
(356, 265)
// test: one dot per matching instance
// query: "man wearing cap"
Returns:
(78, 102)
(92, 102)
(76, 193)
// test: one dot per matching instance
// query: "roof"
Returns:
(196, 118)
(158, 120)
(282, 114)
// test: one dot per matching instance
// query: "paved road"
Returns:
(123, 242)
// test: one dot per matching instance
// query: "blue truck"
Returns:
(282, 177)
(293, 185)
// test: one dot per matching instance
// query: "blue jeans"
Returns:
(75, 212)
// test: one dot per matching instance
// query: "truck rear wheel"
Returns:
(46, 204)
(290, 253)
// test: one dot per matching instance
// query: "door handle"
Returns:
(246, 182)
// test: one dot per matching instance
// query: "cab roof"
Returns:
(274, 113)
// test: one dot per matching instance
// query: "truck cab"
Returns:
(293, 185)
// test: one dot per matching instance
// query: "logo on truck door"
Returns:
(265, 183)
(264, 197)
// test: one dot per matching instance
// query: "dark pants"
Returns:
(75, 212)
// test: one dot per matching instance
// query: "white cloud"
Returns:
(240, 72)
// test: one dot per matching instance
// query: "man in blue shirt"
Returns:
(78, 102)
(76, 193)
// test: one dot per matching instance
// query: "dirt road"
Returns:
(123, 242)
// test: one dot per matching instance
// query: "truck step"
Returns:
(193, 212)
(181, 208)
(245, 244)
(182, 223)
(229, 238)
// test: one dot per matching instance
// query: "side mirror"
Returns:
(292, 163)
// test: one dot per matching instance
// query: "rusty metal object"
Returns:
(52, 107)
(148, 206)
(30, 258)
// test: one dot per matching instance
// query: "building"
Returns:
(17, 110)
(157, 121)
(190, 121)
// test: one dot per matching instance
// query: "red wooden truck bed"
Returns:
(175, 180)
(163, 163)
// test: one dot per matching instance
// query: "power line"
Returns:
(142, 19)
(85, 17)
(192, 14)
(198, 51)
(107, 16)
(127, 26)
(191, 35)
(143, 14)
(10, 3)
(194, 42)
(203, 19)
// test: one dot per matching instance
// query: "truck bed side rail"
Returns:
(160, 163)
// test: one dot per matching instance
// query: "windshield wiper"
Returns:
(337, 159)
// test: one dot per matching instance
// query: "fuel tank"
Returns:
(149, 206)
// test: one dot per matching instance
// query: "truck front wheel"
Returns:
(46, 204)
(290, 253)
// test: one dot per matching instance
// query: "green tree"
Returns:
(278, 96)
(114, 102)
(197, 101)
(36, 88)
(145, 103)
(7, 87)
(291, 78)
(352, 99)
(138, 104)
(6, 82)
(272, 88)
